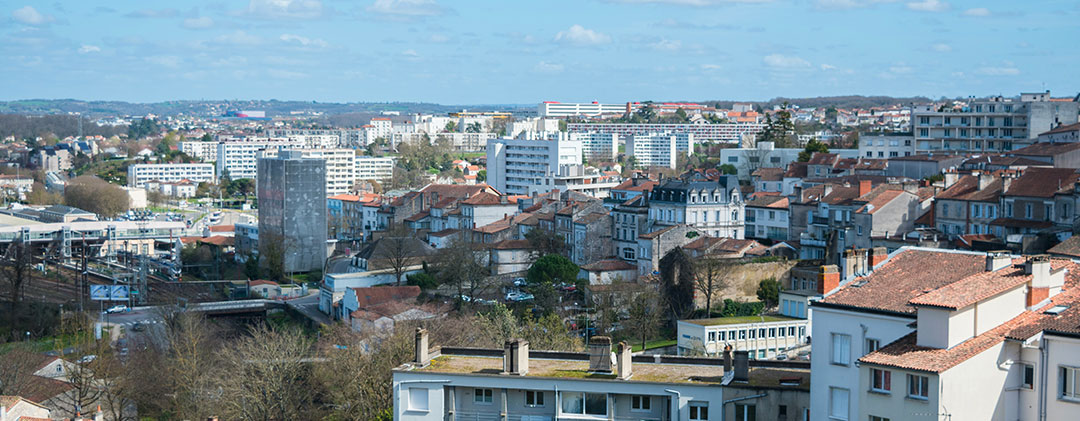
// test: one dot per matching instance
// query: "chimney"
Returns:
(422, 357)
(800, 196)
(950, 178)
(742, 367)
(1043, 276)
(3, 413)
(828, 189)
(849, 261)
(996, 260)
(516, 357)
(1006, 181)
(828, 279)
(727, 358)
(600, 354)
(864, 187)
(99, 416)
(985, 179)
(878, 256)
(623, 361)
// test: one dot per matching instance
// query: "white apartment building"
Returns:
(381, 127)
(238, 158)
(763, 337)
(467, 142)
(726, 133)
(139, 174)
(374, 168)
(570, 109)
(659, 150)
(517, 383)
(318, 141)
(879, 145)
(340, 166)
(996, 124)
(346, 137)
(520, 166)
(583, 179)
(203, 151)
(939, 334)
(597, 146)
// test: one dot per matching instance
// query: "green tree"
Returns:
(544, 242)
(450, 126)
(552, 268)
(481, 176)
(812, 147)
(206, 138)
(475, 127)
(769, 291)
(729, 169)
(681, 115)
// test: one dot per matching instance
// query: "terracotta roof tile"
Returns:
(608, 265)
(1069, 247)
(1043, 182)
(973, 289)
(1047, 149)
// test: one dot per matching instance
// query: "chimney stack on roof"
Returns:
(516, 357)
(742, 367)
(624, 361)
(422, 357)
(864, 187)
(727, 358)
(950, 178)
(600, 354)
(996, 260)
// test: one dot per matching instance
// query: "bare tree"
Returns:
(96, 195)
(755, 158)
(273, 251)
(83, 377)
(646, 313)
(265, 376)
(16, 268)
(190, 363)
(709, 280)
(15, 365)
(461, 265)
(399, 249)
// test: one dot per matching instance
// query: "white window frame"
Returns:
(483, 396)
(534, 398)
(641, 403)
(694, 410)
(416, 404)
(834, 412)
(841, 349)
(918, 387)
(886, 381)
(1063, 393)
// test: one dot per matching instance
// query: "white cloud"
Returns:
(847, 4)
(941, 47)
(666, 45)
(303, 41)
(285, 74)
(900, 69)
(1007, 70)
(298, 9)
(545, 67)
(410, 53)
(691, 2)
(407, 8)
(711, 67)
(977, 12)
(201, 22)
(89, 49)
(928, 6)
(239, 38)
(440, 38)
(30, 16)
(578, 35)
(782, 61)
(166, 61)
(827, 67)
(154, 13)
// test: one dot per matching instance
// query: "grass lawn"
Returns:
(653, 344)
(39, 345)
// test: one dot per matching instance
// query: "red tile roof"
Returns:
(608, 265)
(973, 289)
(346, 197)
(1043, 182)
(484, 199)
(371, 296)
(1069, 247)
(967, 188)
(1062, 129)
(1047, 149)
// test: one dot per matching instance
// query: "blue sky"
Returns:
(516, 51)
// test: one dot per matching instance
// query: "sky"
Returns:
(524, 52)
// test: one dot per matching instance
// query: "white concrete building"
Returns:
(763, 337)
(653, 150)
(340, 166)
(703, 133)
(516, 166)
(517, 383)
(238, 158)
(374, 168)
(879, 145)
(597, 146)
(381, 127)
(318, 141)
(570, 109)
(715, 207)
(203, 151)
(139, 174)
(995, 124)
(462, 141)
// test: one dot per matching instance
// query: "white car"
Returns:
(117, 309)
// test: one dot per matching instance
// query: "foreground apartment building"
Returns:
(474, 384)
(933, 334)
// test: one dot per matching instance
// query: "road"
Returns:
(309, 306)
(339, 265)
(148, 317)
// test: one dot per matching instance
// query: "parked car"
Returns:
(118, 309)
(567, 287)
(138, 327)
(86, 359)
(519, 296)
(520, 282)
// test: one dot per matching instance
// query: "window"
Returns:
(841, 349)
(534, 398)
(872, 345)
(418, 399)
(838, 403)
(1027, 211)
(712, 336)
(640, 403)
(584, 403)
(742, 333)
(699, 410)
(1070, 376)
(1029, 376)
(749, 412)
(880, 380)
(918, 386)
(877, 418)
(772, 332)
(482, 396)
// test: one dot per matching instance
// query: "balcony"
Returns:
(808, 239)
(819, 220)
